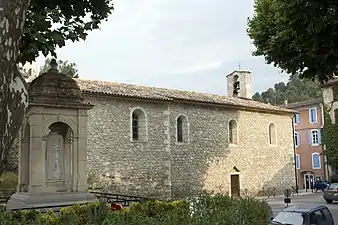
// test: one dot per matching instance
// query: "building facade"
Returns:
(310, 159)
(168, 143)
(165, 143)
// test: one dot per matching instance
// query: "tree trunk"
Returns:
(13, 91)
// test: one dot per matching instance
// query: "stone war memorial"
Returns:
(53, 144)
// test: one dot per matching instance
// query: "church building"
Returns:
(165, 143)
(157, 142)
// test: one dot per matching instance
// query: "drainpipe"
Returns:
(324, 146)
(294, 150)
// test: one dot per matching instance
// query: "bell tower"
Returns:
(239, 84)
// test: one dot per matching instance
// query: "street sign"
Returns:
(287, 193)
(287, 200)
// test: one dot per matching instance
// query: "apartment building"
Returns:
(310, 160)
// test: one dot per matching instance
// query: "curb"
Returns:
(282, 196)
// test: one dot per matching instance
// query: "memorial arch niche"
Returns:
(53, 148)
(59, 160)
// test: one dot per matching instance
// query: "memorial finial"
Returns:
(53, 65)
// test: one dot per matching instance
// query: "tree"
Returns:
(330, 139)
(64, 67)
(41, 33)
(297, 36)
(31, 26)
(294, 91)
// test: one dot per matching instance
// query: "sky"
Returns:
(189, 45)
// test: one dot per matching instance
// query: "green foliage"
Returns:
(50, 23)
(64, 67)
(8, 183)
(211, 210)
(330, 140)
(297, 36)
(295, 90)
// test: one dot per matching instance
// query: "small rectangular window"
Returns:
(297, 139)
(297, 119)
(297, 161)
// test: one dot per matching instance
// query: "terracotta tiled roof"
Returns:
(143, 92)
(310, 102)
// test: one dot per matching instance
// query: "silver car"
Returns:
(330, 193)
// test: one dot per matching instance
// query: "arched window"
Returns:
(138, 125)
(316, 160)
(233, 137)
(182, 129)
(272, 134)
(297, 161)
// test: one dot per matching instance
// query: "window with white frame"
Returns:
(297, 139)
(314, 137)
(313, 115)
(297, 161)
(316, 164)
(138, 125)
(182, 129)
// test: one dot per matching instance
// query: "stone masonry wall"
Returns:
(132, 168)
(208, 160)
(161, 167)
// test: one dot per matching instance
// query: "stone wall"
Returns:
(161, 167)
(208, 160)
(131, 167)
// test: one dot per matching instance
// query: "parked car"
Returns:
(320, 185)
(305, 214)
(330, 194)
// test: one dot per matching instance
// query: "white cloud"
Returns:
(164, 41)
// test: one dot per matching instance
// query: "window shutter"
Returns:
(298, 139)
(310, 137)
(314, 115)
(319, 136)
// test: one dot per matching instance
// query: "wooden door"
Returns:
(235, 186)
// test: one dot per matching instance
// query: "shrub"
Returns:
(207, 209)
(8, 183)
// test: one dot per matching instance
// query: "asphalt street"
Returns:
(277, 204)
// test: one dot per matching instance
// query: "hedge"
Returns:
(206, 209)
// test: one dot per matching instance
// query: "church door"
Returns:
(235, 185)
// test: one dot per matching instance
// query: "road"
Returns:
(277, 204)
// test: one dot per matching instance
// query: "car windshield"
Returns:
(333, 187)
(293, 218)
